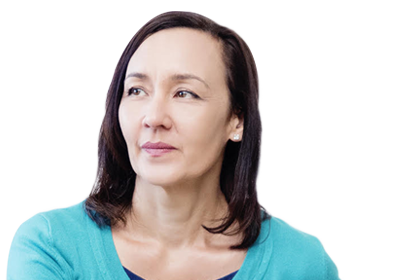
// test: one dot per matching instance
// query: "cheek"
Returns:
(205, 131)
(127, 122)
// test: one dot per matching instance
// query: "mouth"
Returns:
(157, 149)
(158, 152)
(158, 146)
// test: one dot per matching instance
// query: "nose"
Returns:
(156, 114)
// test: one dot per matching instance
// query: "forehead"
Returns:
(179, 50)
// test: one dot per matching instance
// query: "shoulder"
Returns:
(45, 244)
(45, 223)
(291, 239)
(70, 218)
(49, 225)
(300, 255)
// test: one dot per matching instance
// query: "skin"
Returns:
(178, 192)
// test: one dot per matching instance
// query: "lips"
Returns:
(158, 145)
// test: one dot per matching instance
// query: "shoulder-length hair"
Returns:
(112, 193)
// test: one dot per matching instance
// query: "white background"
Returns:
(339, 101)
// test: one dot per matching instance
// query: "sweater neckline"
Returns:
(132, 275)
(253, 267)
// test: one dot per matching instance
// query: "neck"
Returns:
(173, 215)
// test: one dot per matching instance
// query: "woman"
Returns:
(175, 196)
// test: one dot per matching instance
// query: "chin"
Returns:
(159, 177)
(156, 181)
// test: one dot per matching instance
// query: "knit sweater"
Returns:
(67, 244)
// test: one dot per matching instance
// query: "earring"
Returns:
(236, 137)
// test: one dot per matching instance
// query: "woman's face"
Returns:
(175, 92)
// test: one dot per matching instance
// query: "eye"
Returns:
(183, 93)
(134, 91)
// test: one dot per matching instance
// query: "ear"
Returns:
(236, 128)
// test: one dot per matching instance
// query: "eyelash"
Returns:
(130, 92)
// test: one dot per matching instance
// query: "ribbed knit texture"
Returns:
(67, 244)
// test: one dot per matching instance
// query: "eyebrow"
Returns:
(175, 77)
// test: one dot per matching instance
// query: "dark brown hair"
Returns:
(112, 194)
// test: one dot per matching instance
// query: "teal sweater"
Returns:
(67, 244)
